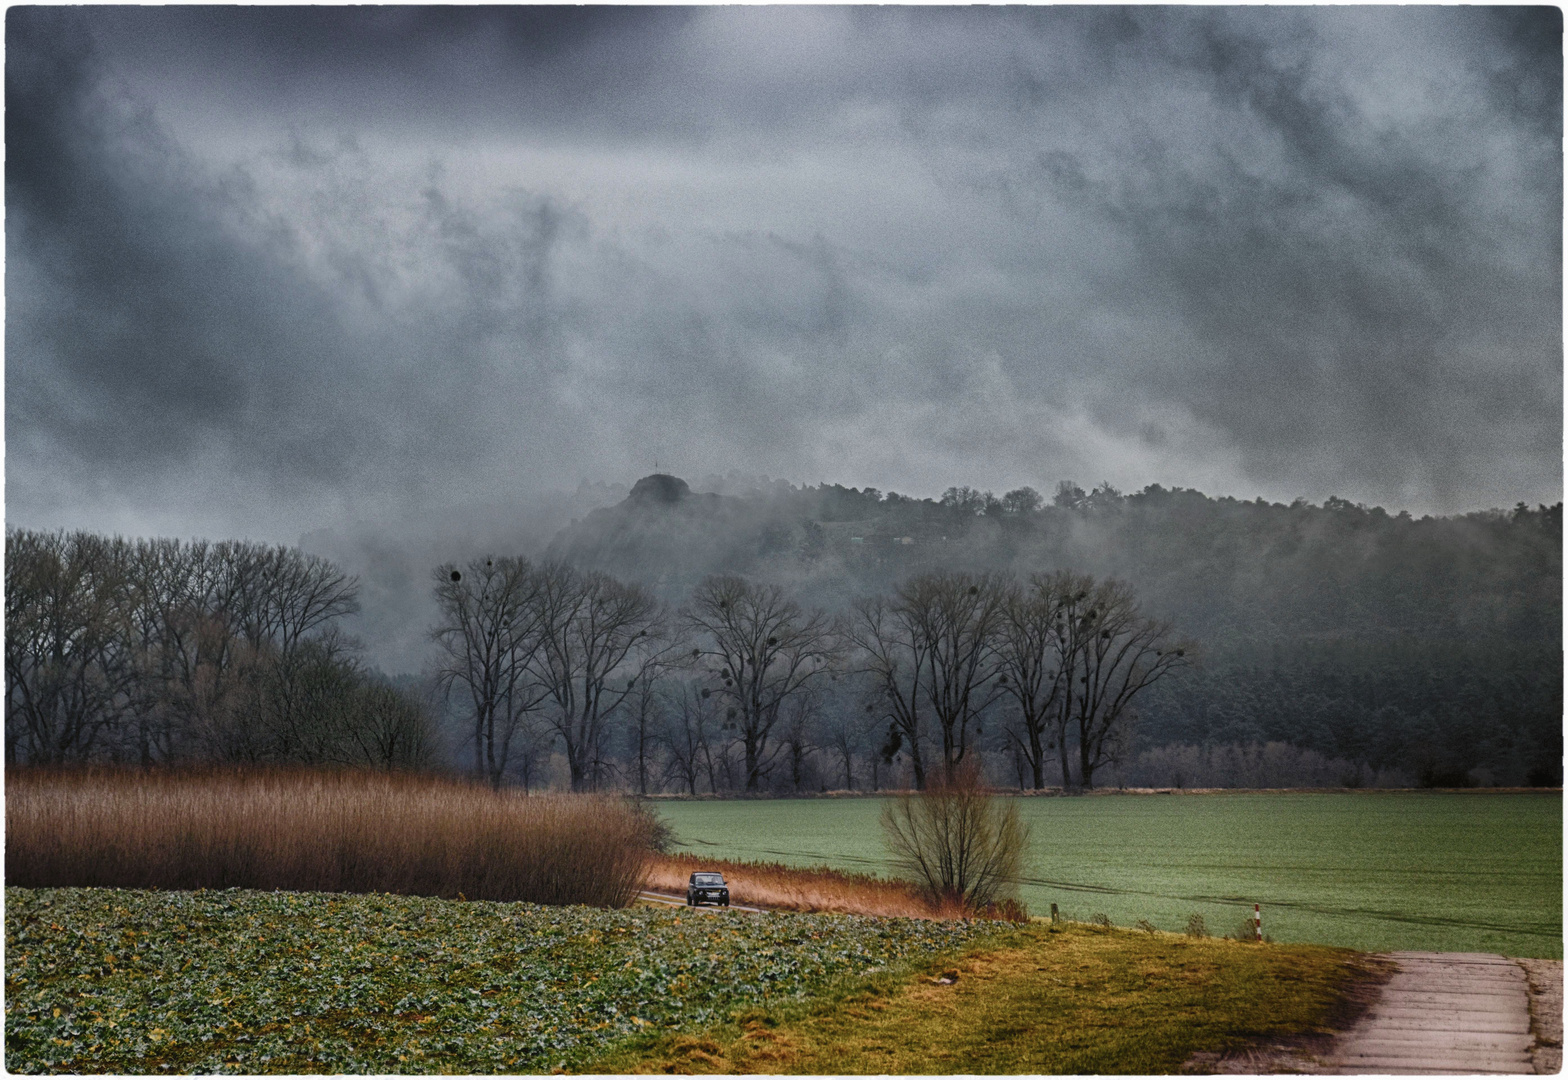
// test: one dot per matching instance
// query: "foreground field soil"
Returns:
(126, 981)
(1085, 1000)
(1469, 871)
(129, 981)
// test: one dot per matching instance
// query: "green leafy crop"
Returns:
(112, 980)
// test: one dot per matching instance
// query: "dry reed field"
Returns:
(792, 888)
(318, 831)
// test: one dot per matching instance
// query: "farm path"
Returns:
(680, 901)
(1442, 1013)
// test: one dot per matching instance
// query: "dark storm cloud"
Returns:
(143, 328)
(270, 266)
(1359, 294)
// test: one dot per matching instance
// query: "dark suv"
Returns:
(707, 886)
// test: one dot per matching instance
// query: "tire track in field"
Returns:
(1540, 930)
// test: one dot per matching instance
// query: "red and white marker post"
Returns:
(1257, 921)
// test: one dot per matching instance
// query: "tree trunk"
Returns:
(751, 764)
(494, 773)
(642, 756)
(479, 744)
(579, 773)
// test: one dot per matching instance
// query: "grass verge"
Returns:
(1083, 1000)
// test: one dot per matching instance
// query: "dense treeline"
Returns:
(810, 638)
(165, 652)
(1428, 649)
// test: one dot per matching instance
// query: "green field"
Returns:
(1450, 871)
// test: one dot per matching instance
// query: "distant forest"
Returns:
(1427, 647)
(1323, 645)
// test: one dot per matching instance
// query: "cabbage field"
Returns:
(1373, 870)
(236, 981)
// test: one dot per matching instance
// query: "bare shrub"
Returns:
(1145, 925)
(320, 831)
(956, 842)
(1006, 910)
(1196, 927)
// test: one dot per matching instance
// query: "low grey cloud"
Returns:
(269, 269)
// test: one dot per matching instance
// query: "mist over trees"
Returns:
(766, 637)
(1415, 649)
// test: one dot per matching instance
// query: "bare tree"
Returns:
(688, 723)
(801, 715)
(958, 614)
(845, 724)
(194, 665)
(489, 630)
(597, 640)
(67, 663)
(305, 706)
(932, 650)
(213, 626)
(1116, 654)
(1031, 670)
(896, 659)
(279, 596)
(648, 706)
(156, 580)
(760, 649)
(393, 730)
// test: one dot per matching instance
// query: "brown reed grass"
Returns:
(320, 831)
(793, 888)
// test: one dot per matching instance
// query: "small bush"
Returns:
(1100, 919)
(1145, 925)
(956, 842)
(661, 835)
(319, 831)
(1196, 928)
(1247, 929)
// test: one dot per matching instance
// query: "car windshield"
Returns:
(709, 879)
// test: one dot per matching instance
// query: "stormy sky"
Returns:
(270, 269)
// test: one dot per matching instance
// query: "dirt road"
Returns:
(675, 900)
